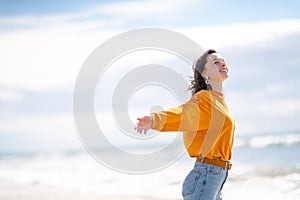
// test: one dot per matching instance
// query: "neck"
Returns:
(217, 85)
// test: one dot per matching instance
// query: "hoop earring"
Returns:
(207, 81)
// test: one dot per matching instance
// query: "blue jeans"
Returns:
(204, 182)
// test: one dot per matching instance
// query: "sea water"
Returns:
(265, 166)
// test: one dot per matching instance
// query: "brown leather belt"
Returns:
(220, 163)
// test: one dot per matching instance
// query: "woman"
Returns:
(207, 128)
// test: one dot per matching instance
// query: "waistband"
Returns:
(220, 163)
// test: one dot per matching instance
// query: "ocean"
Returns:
(265, 166)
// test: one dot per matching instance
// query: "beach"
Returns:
(255, 188)
(261, 170)
(32, 192)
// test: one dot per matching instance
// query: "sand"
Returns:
(39, 192)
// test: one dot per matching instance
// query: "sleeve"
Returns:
(185, 117)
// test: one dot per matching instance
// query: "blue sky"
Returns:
(269, 9)
(43, 45)
(35, 7)
(215, 11)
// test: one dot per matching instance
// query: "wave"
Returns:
(262, 141)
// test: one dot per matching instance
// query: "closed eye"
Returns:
(218, 61)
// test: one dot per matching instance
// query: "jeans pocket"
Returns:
(190, 183)
(214, 170)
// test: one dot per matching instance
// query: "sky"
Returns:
(44, 44)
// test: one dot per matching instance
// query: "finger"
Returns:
(140, 130)
(139, 118)
(146, 130)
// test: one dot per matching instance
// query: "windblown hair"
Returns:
(198, 83)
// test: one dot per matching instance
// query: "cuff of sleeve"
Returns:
(158, 120)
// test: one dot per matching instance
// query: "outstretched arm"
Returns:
(185, 117)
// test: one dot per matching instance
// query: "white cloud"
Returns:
(242, 34)
(56, 125)
(50, 57)
(157, 9)
(283, 108)
(46, 52)
(45, 58)
(50, 132)
(7, 95)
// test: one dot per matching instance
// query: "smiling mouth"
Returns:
(223, 70)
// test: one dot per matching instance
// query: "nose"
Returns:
(222, 64)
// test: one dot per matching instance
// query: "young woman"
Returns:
(207, 127)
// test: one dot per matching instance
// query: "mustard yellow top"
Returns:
(207, 126)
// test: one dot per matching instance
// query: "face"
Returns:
(215, 68)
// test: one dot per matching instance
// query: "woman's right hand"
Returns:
(143, 125)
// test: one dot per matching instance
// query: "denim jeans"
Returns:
(204, 182)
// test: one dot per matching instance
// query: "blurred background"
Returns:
(43, 45)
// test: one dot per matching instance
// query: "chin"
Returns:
(224, 77)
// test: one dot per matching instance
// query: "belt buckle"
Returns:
(226, 165)
(201, 158)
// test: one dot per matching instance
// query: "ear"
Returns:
(204, 73)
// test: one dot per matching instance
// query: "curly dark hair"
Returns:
(198, 83)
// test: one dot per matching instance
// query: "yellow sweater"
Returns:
(207, 126)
